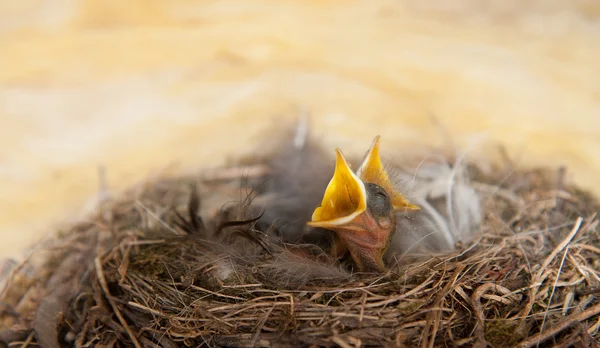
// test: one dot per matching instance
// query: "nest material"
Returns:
(148, 270)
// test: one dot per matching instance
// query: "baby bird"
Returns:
(361, 209)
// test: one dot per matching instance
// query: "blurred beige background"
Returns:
(142, 86)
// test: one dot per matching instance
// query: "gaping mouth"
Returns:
(344, 208)
(345, 197)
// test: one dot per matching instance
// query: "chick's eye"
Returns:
(382, 194)
(378, 201)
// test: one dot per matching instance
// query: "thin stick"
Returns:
(546, 263)
(560, 247)
(569, 321)
(28, 340)
(340, 342)
(104, 285)
(156, 217)
(562, 263)
(260, 326)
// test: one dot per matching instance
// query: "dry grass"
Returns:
(147, 271)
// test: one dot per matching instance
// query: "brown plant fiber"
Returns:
(166, 266)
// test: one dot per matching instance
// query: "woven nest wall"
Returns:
(178, 262)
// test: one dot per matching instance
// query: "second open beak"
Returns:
(372, 170)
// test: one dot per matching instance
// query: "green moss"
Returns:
(409, 307)
(149, 261)
(502, 332)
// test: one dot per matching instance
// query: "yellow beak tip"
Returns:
(414, 207)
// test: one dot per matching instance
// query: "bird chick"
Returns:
(361, 209)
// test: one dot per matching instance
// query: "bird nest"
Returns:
(168, 264)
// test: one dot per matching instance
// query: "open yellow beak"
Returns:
(372, 170)
(345, 197)
(344, 209)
